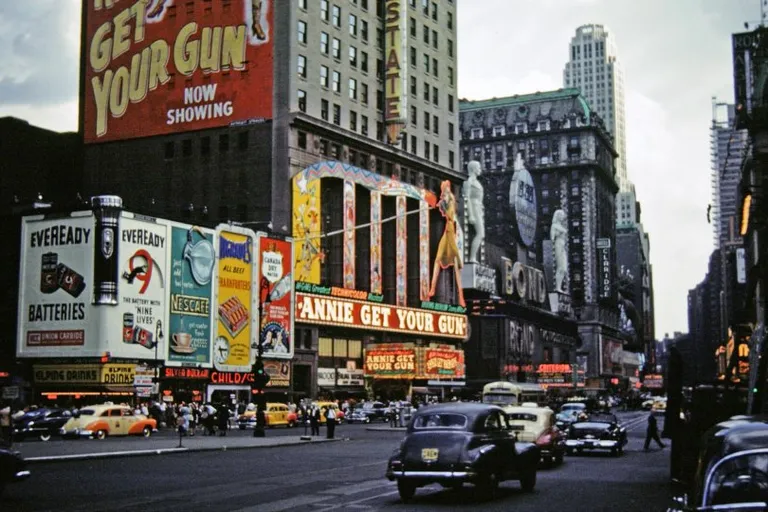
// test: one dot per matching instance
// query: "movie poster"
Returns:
(276, 297)
(376, 285)
(401, 251)
(349, 234)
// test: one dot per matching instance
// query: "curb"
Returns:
(167, 451)
(386, 429)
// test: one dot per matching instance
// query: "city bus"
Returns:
(504, 393)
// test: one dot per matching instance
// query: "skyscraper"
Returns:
(729, 148)
(595, 70)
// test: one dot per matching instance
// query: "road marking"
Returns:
(103, 455)
(357, 502)
(288, 503)
(349, 490)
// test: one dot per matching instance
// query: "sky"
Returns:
(676, 56)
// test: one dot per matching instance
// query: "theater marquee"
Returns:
(317, 309)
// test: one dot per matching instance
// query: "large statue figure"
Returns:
(448, 254)
(558, 233)
(473, 192)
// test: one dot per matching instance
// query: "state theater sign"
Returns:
(318, 309)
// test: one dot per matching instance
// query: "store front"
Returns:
(236, 387)
(179, 384)
(83, 384)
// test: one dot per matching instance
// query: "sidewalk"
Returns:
(386, 429)
(84, 449)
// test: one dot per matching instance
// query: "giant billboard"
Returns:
(155, 67)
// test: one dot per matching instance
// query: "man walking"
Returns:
(314, 420)
(330, 421)
(652, 433)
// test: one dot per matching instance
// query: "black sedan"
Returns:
(599, 432)
(41, 423)
(459, 443)
(13, 468)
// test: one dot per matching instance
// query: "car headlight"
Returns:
(31, 423)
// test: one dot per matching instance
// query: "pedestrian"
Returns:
(330, 422)
(222, 415)
(314, 420)
(652, 432)
(6, 433)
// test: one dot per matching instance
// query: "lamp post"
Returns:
(260, 377)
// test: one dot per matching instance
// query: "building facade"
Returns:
(563, 144)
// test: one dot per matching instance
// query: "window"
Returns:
(451, 159)
(434, 11)
(413, 85)
(413, 27)
(364, 30)
(379, 100)
(303, 4)
(414, 116)
(324, 10)
(434, 67)
(434, 39)
(186, 147)
(364, 4)
(426, 63)
(353, 120)
(302, 69)
(302, 32)
(380, 132)
(426, 120)
(336, 48)
(352, 89)
(450, 76)
(324, 110)
(435, 125)
(426, 34)
(324, 76)
(521, 128)
(449, 23)
(450, 103)
(425, 7)
(336, 16)
(302, 95)
(380, 39)
(364, 94)
(436, 153)
(542, 126)
(451, 129)
(426, 92)
(435, 96)
(223, 143)
(336, 81)
(476, 133)
(499, 131)
(380, 71)
(414, 144)
(324, 42)
(353, 56)
(413, 56)
(336, 114)
(353, 25)
(450, 48)
(426, 149)
(169, 150)
(242, 141)
(412, 3)
(364, 125)
(205, 146)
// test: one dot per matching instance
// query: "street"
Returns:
(344, 475)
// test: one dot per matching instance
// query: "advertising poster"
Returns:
(55, 288)
(156, 67)
(443, 363)
(349, 234)
(279, 373)
(192, 260)
(522, 201)
(376, 285)
(611, 357)
(423, 251)
(143, 285)
(390, 362)
(276, 296)
(306, 229)
(401, 251)
(236, 301)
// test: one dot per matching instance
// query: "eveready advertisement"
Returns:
(165, 66)
(55, 288)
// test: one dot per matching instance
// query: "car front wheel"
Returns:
(100, 434)
(406, 490)
(147, 431)
(528, 482)
(45, 436)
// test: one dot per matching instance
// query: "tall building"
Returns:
(594, 69)
(729, 150)
(568, 152)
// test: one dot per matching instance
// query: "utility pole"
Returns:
(260, 377)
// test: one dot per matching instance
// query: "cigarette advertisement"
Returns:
(276, 296)
(55, 288)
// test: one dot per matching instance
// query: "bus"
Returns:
(504, 393)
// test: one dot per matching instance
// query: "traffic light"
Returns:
(105, 357)
(260, 376)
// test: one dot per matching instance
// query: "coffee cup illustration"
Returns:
(182, 342)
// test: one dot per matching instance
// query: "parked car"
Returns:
(457, 443)
(100, 421)
(13, 468)
(535, 424)
(276, 414)
(41, 423)
(598, 432)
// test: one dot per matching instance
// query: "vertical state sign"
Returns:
(236, 299)
(276, 295)
(55, 288)
(192, 260)
(158, 67)
(396, 75)
(142, 289)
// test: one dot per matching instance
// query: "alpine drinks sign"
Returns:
(317, 309)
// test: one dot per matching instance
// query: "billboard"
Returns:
(55, 288)
(236, 301)
(276, 296)
(750, 76)
(391, 363)
(306, 228)
(192, 259)
(163, 66)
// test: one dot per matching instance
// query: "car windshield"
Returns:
(499, 398)
(87, 412)
(522, 416)
(441, 420)
(572, 407)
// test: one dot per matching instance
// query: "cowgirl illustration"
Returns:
(448, 253)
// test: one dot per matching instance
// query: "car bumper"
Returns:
(78, 432)
(21, 475)
(432, 476)
(597, 444)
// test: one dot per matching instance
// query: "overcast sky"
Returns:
(676, 55)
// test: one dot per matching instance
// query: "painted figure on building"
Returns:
(448, 253)
(558, 233)
(473, 193)
(349, 235)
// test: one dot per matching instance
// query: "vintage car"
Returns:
(324, 405)
(100, 421)
(577, 408)
(276, 414)
(13, 468)
(565, 419)
(41, 423)
(368, 412)
(456, 443)
(598, 432)
(535, 424)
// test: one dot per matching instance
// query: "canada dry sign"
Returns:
(316, 309)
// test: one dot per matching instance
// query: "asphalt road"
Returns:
(335, 476)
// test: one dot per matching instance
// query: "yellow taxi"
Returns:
(275, 415)
(333, 405)
(534, 424)
(108, 419)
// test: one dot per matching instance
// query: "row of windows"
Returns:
(205, 145)
(354, 26)
(425, 10)
(426, 32)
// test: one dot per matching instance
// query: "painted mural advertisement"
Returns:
(164, 66)
(140, 318)
(349, 234)
(423, 251)
(401, 251)
(306, 228)
(193, 258)
(449, 253)
(236, 300)
(611, 351)
(376, 284)
(55, 288)
(276, 297)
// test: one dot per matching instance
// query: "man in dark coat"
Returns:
(222, 415)
(314, 420)
(652, 432)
